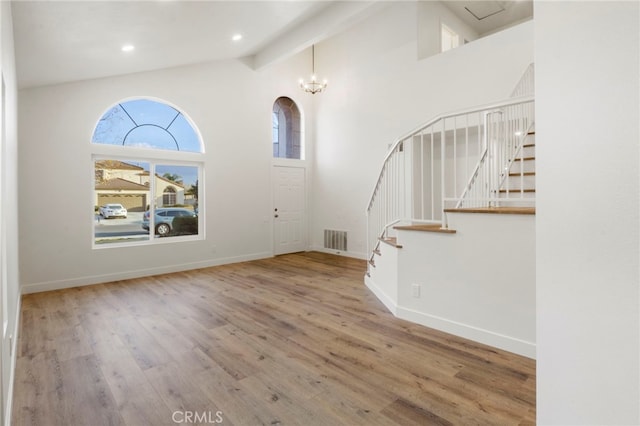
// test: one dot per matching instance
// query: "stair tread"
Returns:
(523, 174)
(524, 159)
(528, 145)
(392, 241)
(425, 228)
(494, 210)
(518, 190)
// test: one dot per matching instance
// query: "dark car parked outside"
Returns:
(163, 219)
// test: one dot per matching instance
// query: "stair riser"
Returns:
(517, 194)
(529, 166)
(516, 182)
(515, 203)
(528, 151)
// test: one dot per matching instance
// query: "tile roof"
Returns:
(116, 165)
(169, 181)
(146, 173)
(122, 184)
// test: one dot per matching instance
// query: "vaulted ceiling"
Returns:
(61, 41)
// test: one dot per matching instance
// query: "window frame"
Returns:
(301, 130)
(154, 157)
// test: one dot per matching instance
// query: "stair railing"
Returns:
(454, 158)
(518, 155)
(506, 129)
(526, 84)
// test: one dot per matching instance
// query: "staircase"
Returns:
(475, 159)
(521, 175)
(433, 263)
(516, 193)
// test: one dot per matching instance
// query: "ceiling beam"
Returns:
(330, 21)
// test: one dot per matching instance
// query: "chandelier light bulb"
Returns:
(313, 86)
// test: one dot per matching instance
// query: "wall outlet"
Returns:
(416, 290)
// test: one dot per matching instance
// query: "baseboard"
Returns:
(507, 343)
(387, 301)
(352, 254)
(138, 273)
(14, 357)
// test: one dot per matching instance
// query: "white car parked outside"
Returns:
(113, 210)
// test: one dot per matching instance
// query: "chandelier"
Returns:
(313, 86)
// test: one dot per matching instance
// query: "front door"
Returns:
(289, 210)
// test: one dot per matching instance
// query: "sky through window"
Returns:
(145, 123)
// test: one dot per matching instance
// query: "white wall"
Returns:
(431, 14)
(9, 273)
(588, 225)
(462, 291)
(378, 90)
(230, 103)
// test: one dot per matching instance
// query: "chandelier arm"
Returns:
(313, 86)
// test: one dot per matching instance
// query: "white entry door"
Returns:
(289, 210)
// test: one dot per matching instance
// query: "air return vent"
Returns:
(335, 240)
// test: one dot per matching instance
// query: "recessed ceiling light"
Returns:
(128, 48)
(236, 37)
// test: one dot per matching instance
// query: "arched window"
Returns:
(154, 194)
(287, 129)
(145, 123)
(169, 196)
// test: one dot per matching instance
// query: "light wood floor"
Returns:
(293, 340)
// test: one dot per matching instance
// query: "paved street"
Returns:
(113, 228)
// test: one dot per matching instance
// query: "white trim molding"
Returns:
(507, 343)
(12, 368)
(138, 273)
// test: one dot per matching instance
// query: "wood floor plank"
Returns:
(137, 400)
(404, 412)
(38, 384)
(289, 408)
(351, 408)
(145, 349)
(85, 395)
(275, 362)
(177, 389)
(165, 334)
(295, 339)
(238, 406)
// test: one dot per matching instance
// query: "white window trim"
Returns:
(154, 157)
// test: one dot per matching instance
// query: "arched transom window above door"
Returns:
(287, 135)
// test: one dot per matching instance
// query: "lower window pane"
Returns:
(121, 197)
(176, 201)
